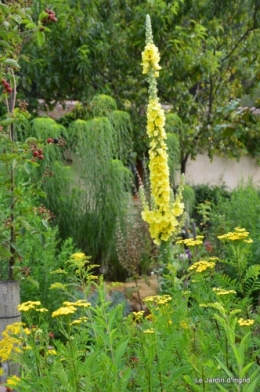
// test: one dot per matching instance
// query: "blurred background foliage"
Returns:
(209, 58)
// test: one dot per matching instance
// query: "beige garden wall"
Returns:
(220, 170)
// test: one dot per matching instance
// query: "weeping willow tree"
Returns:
(91, 196)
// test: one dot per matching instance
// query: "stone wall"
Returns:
(222, 170)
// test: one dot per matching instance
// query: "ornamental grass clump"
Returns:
(164, 211)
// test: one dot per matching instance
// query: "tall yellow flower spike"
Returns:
(162, 216)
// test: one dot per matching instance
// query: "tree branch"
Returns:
(243, 36)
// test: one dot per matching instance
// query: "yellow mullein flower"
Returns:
(162, 216)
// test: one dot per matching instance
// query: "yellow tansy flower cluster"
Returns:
(149, 331)
(10, 342)
(79, 321)
(51, 351)
(238, 235)
(201, 266)
(80, 303)
(138, 316)
(162, 215)
(184, 325)
(70, 307)
(244, 322)
(64, 311)
(78, 256)
(26, 306)
(158, 299)
(220, 291)
(13, 381)
(190, 242)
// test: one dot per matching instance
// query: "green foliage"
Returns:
(241, 210)
(189, 198)
(95, 188)
(189, 339)
(16, 168)
(212, 194)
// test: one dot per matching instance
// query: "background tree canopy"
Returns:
(209, 57)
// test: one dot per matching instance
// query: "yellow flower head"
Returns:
(150, 58)
(26, 306)
(149, 331)
(220, 291)
(201, 266)
(64, 311)
(242, 322)
(78, 256)
(13, 381)
(238, 235)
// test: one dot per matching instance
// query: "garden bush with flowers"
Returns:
(200, 332)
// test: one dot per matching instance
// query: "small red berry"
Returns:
(49, 140)
(3, 81)
(35, 154)
(9, 89)
(40, 151)
(40, 157)
(6, 84)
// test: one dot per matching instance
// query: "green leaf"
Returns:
(228, 372)
(30, 25)
(5, 44)
(45, 224)
(221, 388)
(7, 121)
(4, 252)
(42, 239)
(27, 167)
(23, 231)
(11, 63)
(40, 37)
(245, 369)
(43, 15)
(120, 352)
(40, 193)
(34, 282)
(252, 386)
(25, 224)
(4, 9)
(26, 21)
